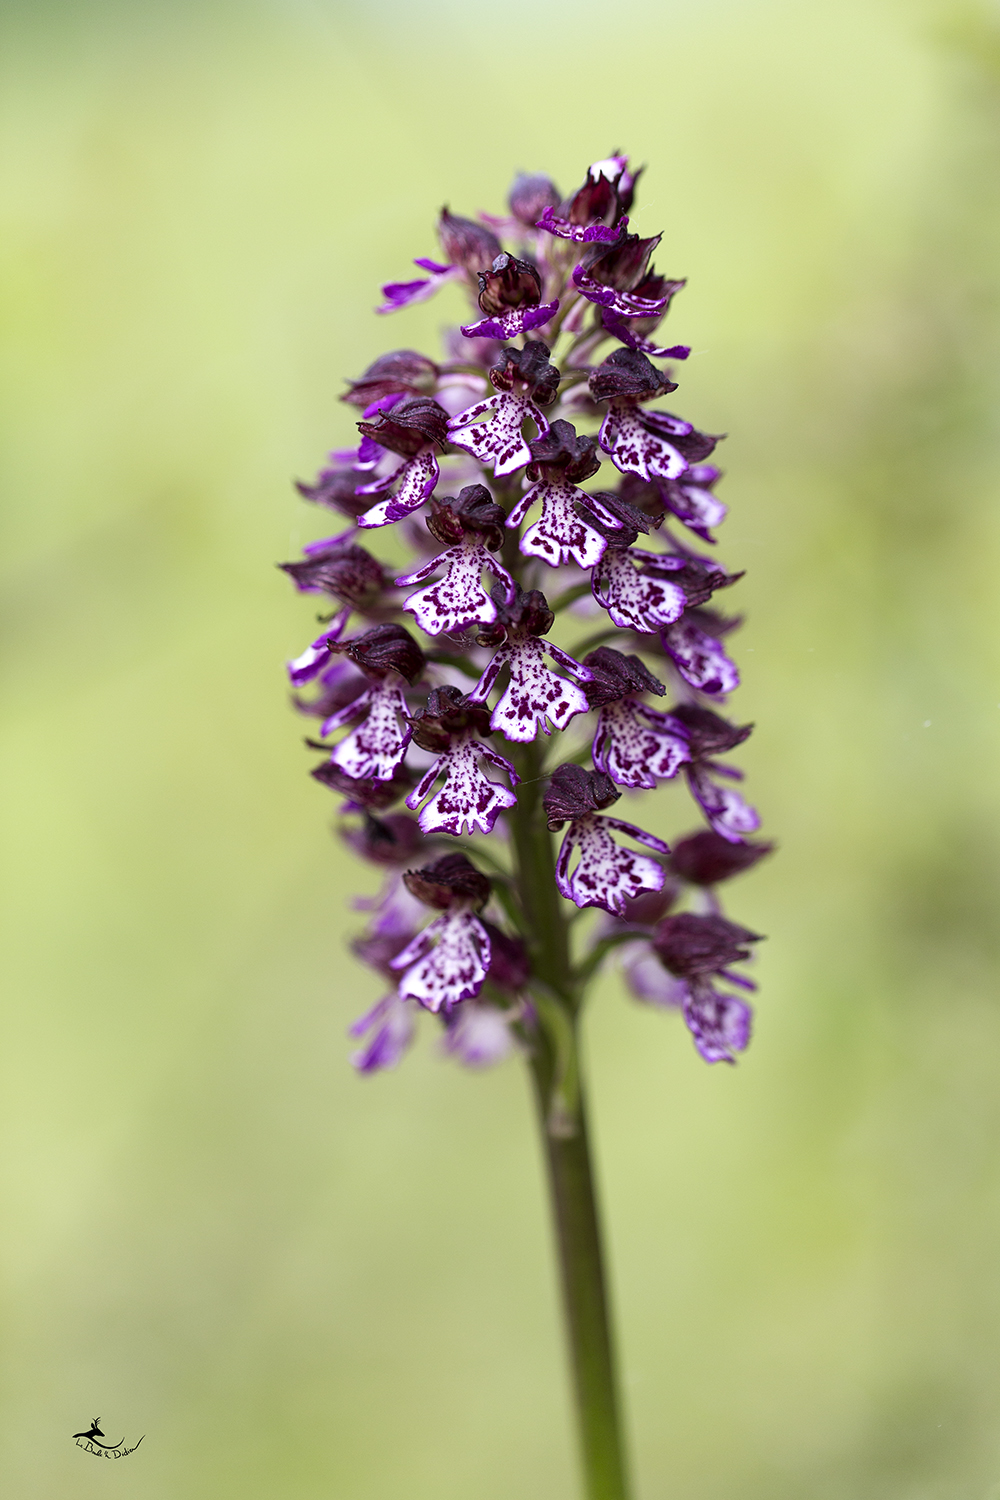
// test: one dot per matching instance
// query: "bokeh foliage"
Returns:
(302, 1283)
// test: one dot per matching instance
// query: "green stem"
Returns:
(555, 1065)
(585, 1299)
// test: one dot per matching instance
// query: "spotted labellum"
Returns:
(552, 645)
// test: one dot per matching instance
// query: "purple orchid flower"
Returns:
(652, 444)
(448, 961)
(698, 655)
(392, 1025)
(481, 458)
(633, 743)
(525, 381)
(709, 735)
(697, 949)
(510, 295)
(606, 875)
(408, 426)
(635, 588)
(535, 695)
(377, 743)
(459, 600)
(451, 727)
(376, 746)
(559, 460)
(618, 279)
(589, 216)
(469, 247)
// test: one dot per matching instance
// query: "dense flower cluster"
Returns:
(522, 470)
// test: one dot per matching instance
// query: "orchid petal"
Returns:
(455, 968)
(606, 875)
(635, 601)
(378, 744)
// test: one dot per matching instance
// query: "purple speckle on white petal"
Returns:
(634, 600)
(535, 694)
(376, 746)
(469, 798)
(459, 598)
(636, 745)
(723, 806)
(606, 874)
(454, 969)
(496, 441)
(636, 444)
(559, 535)
(719, 1023)
(699, 658)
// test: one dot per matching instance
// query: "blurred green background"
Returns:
(302, 1283)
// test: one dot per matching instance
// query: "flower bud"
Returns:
(448, 881)
(384, 649)
(560, 454)
(409, 426)
(531, 193)
(509, 283)
(467, 244)
(402, 370)
(705, 858)
(628, 373)
(574, 792)
(689, 945)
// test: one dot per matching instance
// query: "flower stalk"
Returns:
(562, 1120)
(493, 468)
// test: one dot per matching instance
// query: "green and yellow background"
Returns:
(302, 1284)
